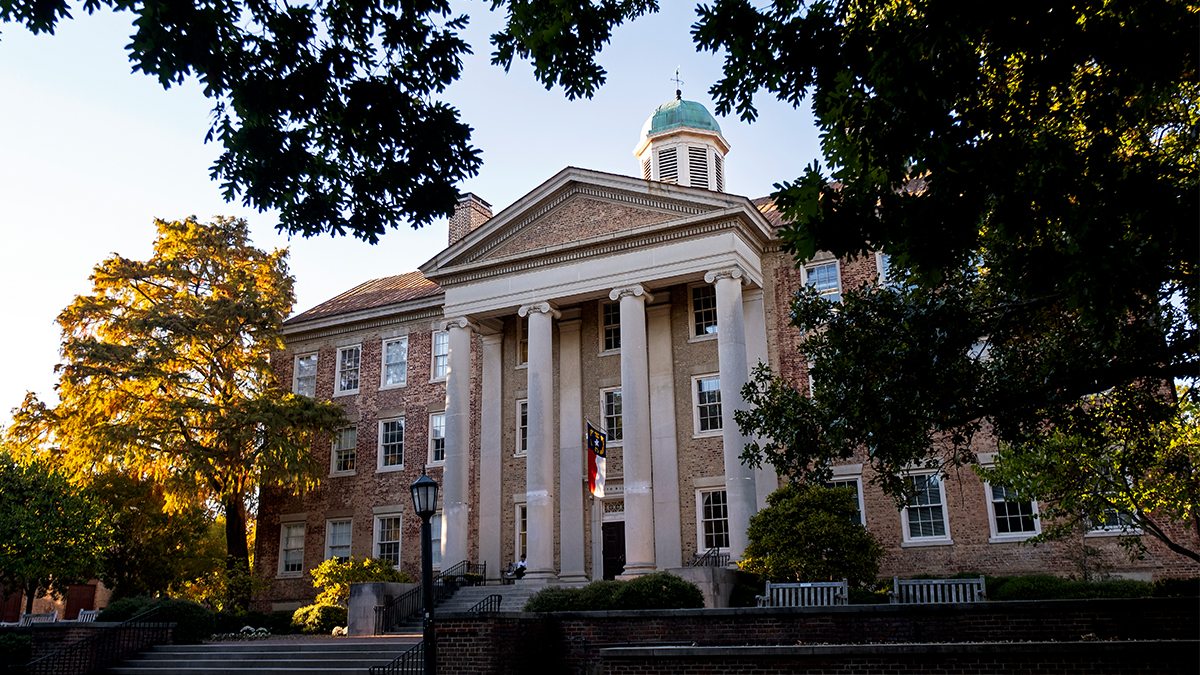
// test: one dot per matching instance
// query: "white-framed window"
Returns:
(349, 365)
(522, 427)
(437, 437)
(706, 404)
(441, 354)
(712, 519)
(924, 518)
(435, 528)
(343, 458)
(883, 263)
(522, 340)
(304, 378)
(610, 414)
(704, 310)
(1010, 516)
(854, 484)
(394, 372)
(291, 549)
(521, 532)
(610, 327)
(1113, 521)
(391, 443)
(824, 279)
(387, 538)
(337, 538)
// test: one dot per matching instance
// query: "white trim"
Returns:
(383, 364)
(517, 509)
(691, 314)
(436, 523)
(328, 533)
(430, 461)
(881, 274)
(837, 271)
(522, 336)
(375, 542)
(517, 451)
(700, 538)
(296, 370)
(936, 540)
(433, 355)
(333, 452)
(337, 371)
(380, 467)
(856, 478)
(604, 392)
(986, 460)
(600, 327)
(283, 529)
(696, 432)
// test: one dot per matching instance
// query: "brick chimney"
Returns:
(470, 213)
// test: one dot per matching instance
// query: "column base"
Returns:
(634, 570)
(573, 579)
(538, 578)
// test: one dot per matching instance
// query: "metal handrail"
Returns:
(105, 646)
(409, 604)
(411, 662)
(713, 557)
(488, 605)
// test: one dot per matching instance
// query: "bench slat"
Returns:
(938, 591)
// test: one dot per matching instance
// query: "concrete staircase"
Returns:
(342, 656)
(514, 597)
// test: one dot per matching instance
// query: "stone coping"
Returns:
(892, 649)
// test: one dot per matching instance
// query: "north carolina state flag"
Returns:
(597, 445)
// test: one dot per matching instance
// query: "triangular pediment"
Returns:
(576, 206)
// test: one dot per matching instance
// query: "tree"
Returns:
(166, 377)
(328, 111)
(51, 533)
(809, 532)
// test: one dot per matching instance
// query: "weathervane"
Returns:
(678, 84)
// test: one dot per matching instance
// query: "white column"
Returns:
(766, 480)
(489, 455)
(570, 454)
(667, 543)
(539, 463)
(635, 423)
(731, 355)
(457, 469)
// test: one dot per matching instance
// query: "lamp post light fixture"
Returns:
(424, 496)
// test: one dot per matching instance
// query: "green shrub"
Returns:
(746, 589)
(279, 623)
(869, 596)
(15, 648)
(193, 622)
(1177, 588)
(318, 618)
(660, 590)
(334, 576)
(1047, 587)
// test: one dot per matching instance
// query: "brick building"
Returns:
(638, 304)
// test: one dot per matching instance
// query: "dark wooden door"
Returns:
(614, 548)
(79, 596)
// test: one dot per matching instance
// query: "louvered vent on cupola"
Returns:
(698, 167)
(646, 168)
(718, 165)
(668, 165)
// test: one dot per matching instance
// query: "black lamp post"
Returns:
(424, 495)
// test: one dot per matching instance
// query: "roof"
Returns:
(767, 207)
(372, 294)
(678, 113)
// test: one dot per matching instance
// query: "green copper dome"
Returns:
(678, 113)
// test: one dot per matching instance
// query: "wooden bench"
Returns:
(87, 615)
(805, 594)
(29, 619)
(937, 591)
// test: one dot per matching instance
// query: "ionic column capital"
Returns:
(538, 308)
(734, 272)
(457, 322)
(636, 291)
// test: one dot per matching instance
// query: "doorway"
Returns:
(613, 541)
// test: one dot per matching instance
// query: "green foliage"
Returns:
(811, 533)
(318, 619)
(278, 623)
(334, 576)
(167, 378)
(15, 648)
(1177, 588)
(660, 590)
(194, 623)
(1047, 587)
(51, 533)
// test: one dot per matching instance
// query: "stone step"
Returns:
(335, 657)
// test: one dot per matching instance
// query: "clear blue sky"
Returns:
(90, 153)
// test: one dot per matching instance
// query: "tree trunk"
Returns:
(237, 556)
(30, 593)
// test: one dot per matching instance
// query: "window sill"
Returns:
(343, 474)
(392, 468)
(435, 380)
(921, 543)
(386, 387)
(521, 455)
(609, 352)
(1012, 538)
(521, 366)
(1127, 532)
(290, 575)
(431, 464)
(703, 338)
(707, 434)
(348, 392)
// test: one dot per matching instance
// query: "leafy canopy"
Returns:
(334, 576)
(166, 376)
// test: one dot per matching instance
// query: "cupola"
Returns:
(682, 143)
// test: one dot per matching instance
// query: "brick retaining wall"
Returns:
(573, 641)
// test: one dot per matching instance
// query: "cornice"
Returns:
(340, 324)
